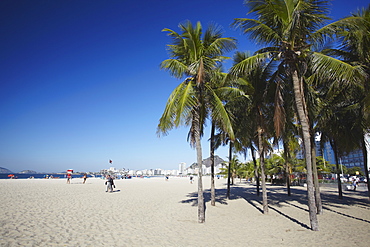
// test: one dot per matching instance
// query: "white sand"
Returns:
(155, 212)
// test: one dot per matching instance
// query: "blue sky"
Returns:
(80, 81)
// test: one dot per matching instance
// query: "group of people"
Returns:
(109, 181)
(69, 178)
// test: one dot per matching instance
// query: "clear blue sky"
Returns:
(80, 81)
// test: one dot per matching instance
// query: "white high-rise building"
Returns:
(182, 167)
(158, 171)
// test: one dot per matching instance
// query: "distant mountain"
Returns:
(28, 172)
(207, 162)
(4, 170)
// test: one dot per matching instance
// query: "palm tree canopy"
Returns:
(290, 30)
(283, 22)
(196, 58)
(193, 54)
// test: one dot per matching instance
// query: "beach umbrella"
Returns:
(11, 175)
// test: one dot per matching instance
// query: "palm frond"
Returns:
(331, 69)
(228, 93)
(175, 67)
(257, 31)
(248, 64)
(220, 46)
(178, 108)
(330, 31)
(219, 113)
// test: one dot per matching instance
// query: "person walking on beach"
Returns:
(109, 183)
(69, 178)
(191, 179)
(354, 183)
(84, 177)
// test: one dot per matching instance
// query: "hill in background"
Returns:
(4, 170)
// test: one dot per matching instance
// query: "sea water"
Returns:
(40, 175)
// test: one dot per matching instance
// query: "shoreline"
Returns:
(155, 212)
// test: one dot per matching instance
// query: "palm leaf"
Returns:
(175, 67)
(257, 31)
(332, 69)
(219, 113)
(248, 64)
(178, 108)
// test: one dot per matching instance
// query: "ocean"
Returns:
(39, 175)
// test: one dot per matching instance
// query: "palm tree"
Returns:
(341, 122)
(291, 147)
(354, 49)
(323, 166)
(253, 111)
(247, 170)
(256, 172)
(212, 157)
(275, 165)
(289, 28)
(227, 91)
(233, 168)
(316, 176)
(194, 57)
(223, 139)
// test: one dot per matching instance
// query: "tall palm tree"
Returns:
(256, 172)
(316, 176)
(227, 90)
(291, 147)
(341, 126)
(232, 168)
(354, 49)
(212, 157)
(289, 28)
(254, 112)
(233, 92)
(194, 57)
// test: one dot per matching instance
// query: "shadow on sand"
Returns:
(277, 196)
(114, 191)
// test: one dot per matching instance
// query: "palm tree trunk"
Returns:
(287, 162)
(229, 169)
(366, 167)
(334, 145)
(256, 175)
(316, 179)
(303, 118)
(201, 206)
(262, 165)
(213, 192)
(287, 172)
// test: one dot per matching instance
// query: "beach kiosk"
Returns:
(69, 175)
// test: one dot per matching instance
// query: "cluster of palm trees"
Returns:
(281, 172)
(308, 77)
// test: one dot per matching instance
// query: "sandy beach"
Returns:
(155, 212)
